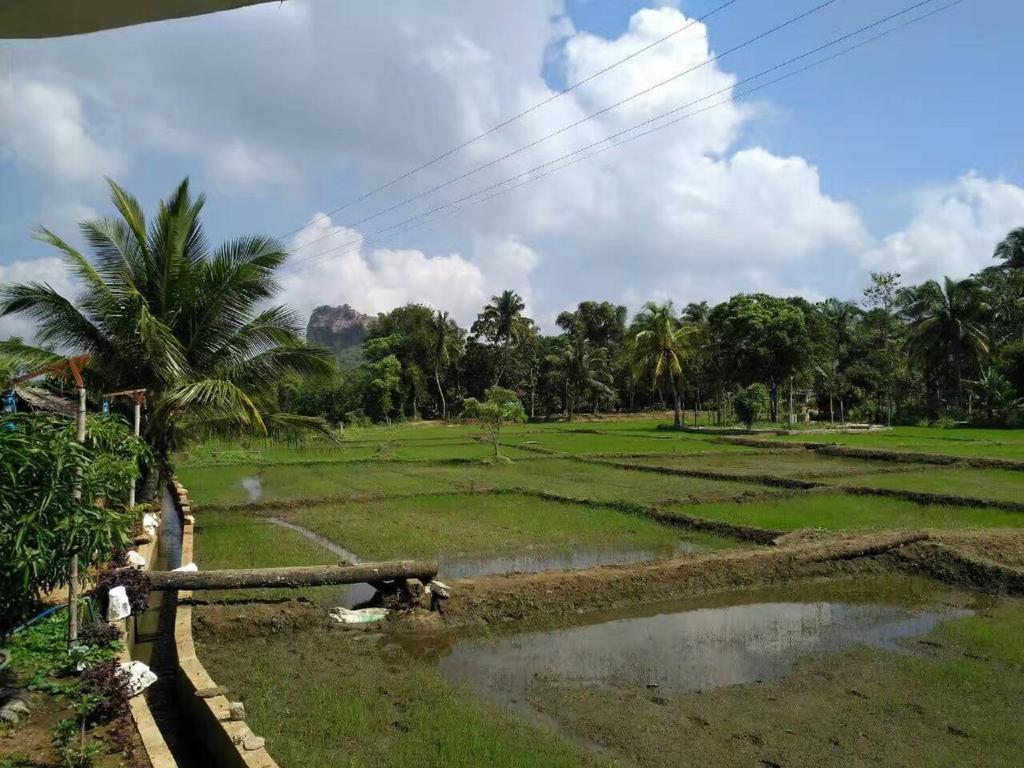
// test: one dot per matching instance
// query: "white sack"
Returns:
(140, 677)
(118, 606)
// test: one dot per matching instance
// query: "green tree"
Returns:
(994, 392)
(751, 402)
(583, 368)
(445, 347)
(384, 387)
(1011, 249)
(503, 326)
(659, 347)
(500, 407)
(160, 311)
(947, 329)
(60, 499)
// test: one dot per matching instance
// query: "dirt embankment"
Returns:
(986, 561)
(551, 597)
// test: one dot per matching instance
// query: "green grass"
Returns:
(842, 512)
(791, 464)
(589, 443)
(482, 525)
(323, 697)
(992, 443)
(991, 484)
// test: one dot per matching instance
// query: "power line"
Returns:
(643, 92)
(513, 118)
(381, 234)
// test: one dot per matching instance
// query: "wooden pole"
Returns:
(138, 424)
(73, 565)
(295, 577)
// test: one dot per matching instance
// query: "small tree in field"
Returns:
(501, 406)
(750, 403)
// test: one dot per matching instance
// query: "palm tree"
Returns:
(946, 325)
(163, 312)
(503, 324)
(659, 345)
(1011, 249)
(583, 368)
(445, 342)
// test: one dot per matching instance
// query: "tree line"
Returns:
(950, 349)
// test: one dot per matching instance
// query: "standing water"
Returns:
(681, 652)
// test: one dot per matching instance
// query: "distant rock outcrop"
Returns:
(339, 329)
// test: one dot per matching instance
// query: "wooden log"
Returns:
(300, 576)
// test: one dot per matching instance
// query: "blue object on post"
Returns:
(10, 406)
(106, 407)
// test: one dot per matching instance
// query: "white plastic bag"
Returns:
(150, 523)
(118, 606)
(140, 677)
(359, 615)
(188, 568)
(135, 560)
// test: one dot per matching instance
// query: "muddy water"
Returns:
(682, 652)
(466, 566)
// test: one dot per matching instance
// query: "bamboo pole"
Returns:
(293, 577)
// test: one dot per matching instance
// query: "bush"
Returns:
(135, 582)
(105, 687)
(99, 634)
(750, 403)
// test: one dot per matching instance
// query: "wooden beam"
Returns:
(296, 577)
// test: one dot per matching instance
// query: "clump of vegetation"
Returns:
(501, 407)
(60, 499)
(750, 403)
(136, 584)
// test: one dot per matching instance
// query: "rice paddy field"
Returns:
(617, 600)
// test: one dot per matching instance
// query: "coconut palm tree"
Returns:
(159, 310)
(946, 325)
(1011, 249)
(659, 346)
(445, 343)
(502, 323)
(584, 370)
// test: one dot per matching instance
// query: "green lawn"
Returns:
(993, 484)
(484, 525)
(845, 512)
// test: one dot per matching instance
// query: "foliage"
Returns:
(99, 633)
(106, 686)
(501, 407)
(136, 584)
(50, 500)
(659, 346)
(751, 402)
(162, 312)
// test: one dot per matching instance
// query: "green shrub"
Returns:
(750, 403)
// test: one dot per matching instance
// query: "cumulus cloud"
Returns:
(322, 95)
(44, 127)
(954, 230)
(50, 270)
(335, 266)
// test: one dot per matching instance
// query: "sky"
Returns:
(904, 154)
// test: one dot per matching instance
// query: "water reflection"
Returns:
(694, 650)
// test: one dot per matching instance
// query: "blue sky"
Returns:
(905, 154)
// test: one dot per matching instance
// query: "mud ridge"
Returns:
(556, 597)
(949, 565)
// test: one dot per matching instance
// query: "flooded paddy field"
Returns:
(827, 671)
(594, 620)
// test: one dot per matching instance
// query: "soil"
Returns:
(29, 743)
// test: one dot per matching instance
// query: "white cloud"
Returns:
(341, 95)
(43, 126)
(954, 230)
(336, 268)
(49, 270)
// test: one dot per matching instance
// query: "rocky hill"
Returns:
(339, 329)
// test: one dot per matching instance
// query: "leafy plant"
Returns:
(751, 402)
(135, 582)
(99, 634)
(501, 407)
(105, 688)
